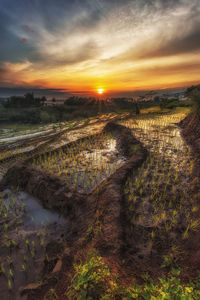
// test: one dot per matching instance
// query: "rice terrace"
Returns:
(99, 150)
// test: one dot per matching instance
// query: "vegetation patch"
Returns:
(93, 280)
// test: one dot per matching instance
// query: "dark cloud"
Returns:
(30, 18)
(51, 13)
(62, 94)
(20, 91)
(23, 40)
(49, 93)
(181, 43)
(11, 49)
(28, 28)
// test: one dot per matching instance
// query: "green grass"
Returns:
(93, 280)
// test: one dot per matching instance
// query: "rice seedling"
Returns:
(9, 284)
(84, 164)
(160, 177)
(23, 267)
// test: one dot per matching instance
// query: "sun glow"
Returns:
(100, 91)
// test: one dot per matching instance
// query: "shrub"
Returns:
(45, 117)
(195, 97)
(194, 94)
(90, 281)
(93, 280)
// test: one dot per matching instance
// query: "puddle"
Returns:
(34, 215)
(26, 229)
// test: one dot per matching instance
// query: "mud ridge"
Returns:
(190, 130)
(109, 196)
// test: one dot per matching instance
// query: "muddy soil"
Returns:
(190, 130)
(82, 211)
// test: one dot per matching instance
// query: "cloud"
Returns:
(23, 40)
(14, 73)
(66, 55)
(83, 42)
(28, 28)
(180, 45)
(49, 93)
(22, 90)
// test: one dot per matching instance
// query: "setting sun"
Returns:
(100, 91)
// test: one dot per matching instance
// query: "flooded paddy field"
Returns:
(26, 230)
(18, 144)
(83, 164)
(129, 192)
(162, 199)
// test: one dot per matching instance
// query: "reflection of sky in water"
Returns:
(16, 133)
(35, 215)
(86, 169)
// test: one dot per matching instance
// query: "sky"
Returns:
(76, 47)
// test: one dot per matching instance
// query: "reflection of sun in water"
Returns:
(100, 91)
